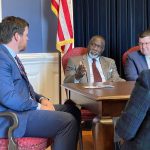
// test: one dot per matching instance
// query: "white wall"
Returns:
(42, 70)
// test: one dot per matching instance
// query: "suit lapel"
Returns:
(5, 50)
(104, 66)
(85, 62)
(143, 61)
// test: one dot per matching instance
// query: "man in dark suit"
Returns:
(38, 117)
(133, 125)
(139, 60)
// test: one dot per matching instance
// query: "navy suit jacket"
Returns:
(134, 123)
(134, 65)
(14, 94)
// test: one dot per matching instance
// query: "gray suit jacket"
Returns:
(108, 66)
(134, 123)
(134, 65)
(14, 94)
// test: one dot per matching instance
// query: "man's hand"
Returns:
(47, 105)
(121, 141)
(81, 71)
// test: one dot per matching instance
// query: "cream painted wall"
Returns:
(42, 71)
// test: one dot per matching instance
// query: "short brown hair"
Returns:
(144, 33)
(11, 25)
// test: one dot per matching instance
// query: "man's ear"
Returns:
(102, 51)
(16, 36)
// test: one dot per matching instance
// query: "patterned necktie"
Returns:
(23, 73)
(96, 74)
(21, 67)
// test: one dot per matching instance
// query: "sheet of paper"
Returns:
(98, 86)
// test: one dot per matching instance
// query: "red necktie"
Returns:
(23, 73)
(96, 74)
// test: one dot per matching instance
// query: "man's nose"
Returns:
(96, 47)
(144, 45)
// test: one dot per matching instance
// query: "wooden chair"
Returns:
(24, 143)
(125, 55)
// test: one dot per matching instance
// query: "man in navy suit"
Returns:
(139, 60)
(38, 117)
(133, 125)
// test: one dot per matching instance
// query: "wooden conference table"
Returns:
(105, 102)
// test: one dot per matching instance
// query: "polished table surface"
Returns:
(105, 102)
(121, 90)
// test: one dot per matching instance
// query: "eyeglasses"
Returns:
(96, 45)
(142, 44)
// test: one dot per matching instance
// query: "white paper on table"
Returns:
(98, 86)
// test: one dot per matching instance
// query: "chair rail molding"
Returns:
(43, 73)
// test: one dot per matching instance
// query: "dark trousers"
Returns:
(62, 126)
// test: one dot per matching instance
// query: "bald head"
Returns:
(96, 46)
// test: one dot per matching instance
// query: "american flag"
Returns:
(63, 9)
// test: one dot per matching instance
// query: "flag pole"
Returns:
(59, 77)
(65, 32)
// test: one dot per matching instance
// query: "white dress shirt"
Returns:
(148, 61)
(99, 67)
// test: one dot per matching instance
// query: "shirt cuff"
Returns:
(43, 98)
(39, 106)
(76, 81)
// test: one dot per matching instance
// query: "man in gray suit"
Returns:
(139, 60)
(79, 69)
(37, 116)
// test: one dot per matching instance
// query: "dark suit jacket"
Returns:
(134, 65)
(134, 123)
(14, 93)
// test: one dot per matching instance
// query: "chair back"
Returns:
(23, 143)
(71, 53)
(125, 55)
